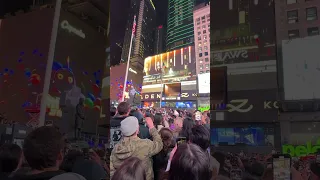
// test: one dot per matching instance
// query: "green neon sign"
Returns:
(301, 150)
(205, 108)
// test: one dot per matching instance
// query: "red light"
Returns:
(160, 27)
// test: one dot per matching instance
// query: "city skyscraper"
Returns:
(201, 16)
(180, 31)
(143, 41)
(159, 44)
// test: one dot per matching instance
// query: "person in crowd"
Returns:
(123, 111)
(69, 160)
(113, 111)
(132, 146)
(131, 169)
(221, 158)
(188, 124)
(201, 137)
(315, 171)
(160, 160)
(11, 158)
(91, 168)
(43, 150)
(158, 121)
(171, 124)
(189, 162)
(143, 130)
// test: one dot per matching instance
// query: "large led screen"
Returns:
(174, 66)
(24, 46)
(77, 72)
(301, 68)
(204, 83)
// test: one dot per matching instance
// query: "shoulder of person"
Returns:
(69, 176)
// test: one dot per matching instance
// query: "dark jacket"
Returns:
(79, 116)
(115, 132)
(41, 176)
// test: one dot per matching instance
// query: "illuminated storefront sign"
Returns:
(301, 150)
(66, 26)
(243, 105)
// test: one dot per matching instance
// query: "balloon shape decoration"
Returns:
(96, 88)
(97, 108)
(35, 79)
(89, 103)
(56, 66)
(91, 96)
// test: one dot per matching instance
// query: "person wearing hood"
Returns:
(143, 130)
(123, 111)
(132, 146)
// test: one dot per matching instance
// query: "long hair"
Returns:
(131, 169)
(190, 162)
(188, 124)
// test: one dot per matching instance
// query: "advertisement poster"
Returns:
(77, 72)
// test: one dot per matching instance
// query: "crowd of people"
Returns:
(46, 155)
(145, 144)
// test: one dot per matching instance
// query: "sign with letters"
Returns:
(251, 106)
(68, 27)
(189, 95)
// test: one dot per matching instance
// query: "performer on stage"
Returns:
(79, 118)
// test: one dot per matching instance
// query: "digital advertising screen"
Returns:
(252, 136)
(204, 83)
(77, 72)
(301, 68)
(174, 66)
(24, 47)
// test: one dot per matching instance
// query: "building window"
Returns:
(206, 48)
(200, 44)
(313, 31)
(199, 33)
(200, 61)
(207, 66)
(199, 38)
(201, 66)
(198, 20)
(207, 71)
(206, 53)
(292, 16)
(206, 59)
(203, 17)
(200, 54)
(291, 1)
(198, 28)
(204, 31)
(292, 34)
(311, 14)
(203, 26)
(201, 72)
(200, 49)
(204, 37)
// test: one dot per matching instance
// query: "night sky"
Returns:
(119, 16)
(11, 6)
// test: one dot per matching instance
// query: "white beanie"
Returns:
(129, 126)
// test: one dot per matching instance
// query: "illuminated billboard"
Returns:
(174, 66)
(204, 83)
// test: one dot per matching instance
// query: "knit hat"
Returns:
(129, 126)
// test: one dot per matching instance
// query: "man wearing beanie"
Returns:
(132, 146)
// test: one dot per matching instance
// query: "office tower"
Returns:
(143, 41)
(159, 44)
(201, 16)
(180, 24)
